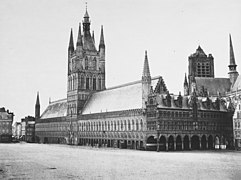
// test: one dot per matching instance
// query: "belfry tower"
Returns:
(233, 74)
(86, 68)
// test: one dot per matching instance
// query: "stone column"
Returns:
(182, 145)
(166, 146)
(190, 145)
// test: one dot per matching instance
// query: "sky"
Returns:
(34, 37)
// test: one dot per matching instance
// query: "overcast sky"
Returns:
(34, 37)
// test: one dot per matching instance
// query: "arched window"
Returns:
(129, 125)
(141, 125)
(114, 126)
(86, 63)
(87, 83)
(133, 125)
(82, 82)
(118, 128)
(94, 83)
(108, 126)
(124, 125)
(137, 125)
(99, 83)
(94, 64)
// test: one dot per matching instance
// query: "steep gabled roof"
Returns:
(55, 109)
(124, 97)
(214, 85)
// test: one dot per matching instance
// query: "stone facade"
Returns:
(6, 120)
(136, 115)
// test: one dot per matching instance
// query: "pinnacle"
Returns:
(232, 59)
(79, 40)
(146, 69)
(37, 100)
(71, 41)
(102, 41)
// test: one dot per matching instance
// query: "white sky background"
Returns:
(34, 38)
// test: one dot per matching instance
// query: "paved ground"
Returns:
(42, 161)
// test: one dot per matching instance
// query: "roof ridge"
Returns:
(56, 101)
(130, 83)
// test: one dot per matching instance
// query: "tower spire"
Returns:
(102, 41)
(232, 59)
(37, 107)
(146, 69)
(233, 74)
(79, 40)
(71, 42)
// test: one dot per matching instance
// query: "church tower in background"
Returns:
(86, 67)
(37, 107)
(233, 74)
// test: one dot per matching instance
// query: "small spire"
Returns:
(146, 69)
(232, 59)
(71, 42)
(185, 80)
(79, 40)
(37, 100)
(102, 42)
(86, 7)
(93, 37)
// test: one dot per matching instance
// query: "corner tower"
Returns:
(86, 68)
(146, 81)
(233, 74)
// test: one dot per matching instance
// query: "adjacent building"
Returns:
(139, 115)
(6, 120)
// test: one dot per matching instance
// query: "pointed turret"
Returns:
(93, 37)
(146, 82)
(71, 42)
(146, 69)
(233, 74)
(185, 85)
(37, 107)
(102, 41)
(79, 40)
(232, 59)
(86, 22)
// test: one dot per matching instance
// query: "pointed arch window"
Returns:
(86, 63)
(87, 82)
(94, 83)
(94, 64)
(82, 82)
(99, 83)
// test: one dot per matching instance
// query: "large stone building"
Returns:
(6, 120)
(138, 115)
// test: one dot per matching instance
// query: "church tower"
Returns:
(146, 82)
(233, 74)
(86, 68)
(37, 108)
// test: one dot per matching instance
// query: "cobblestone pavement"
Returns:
(45, 161)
